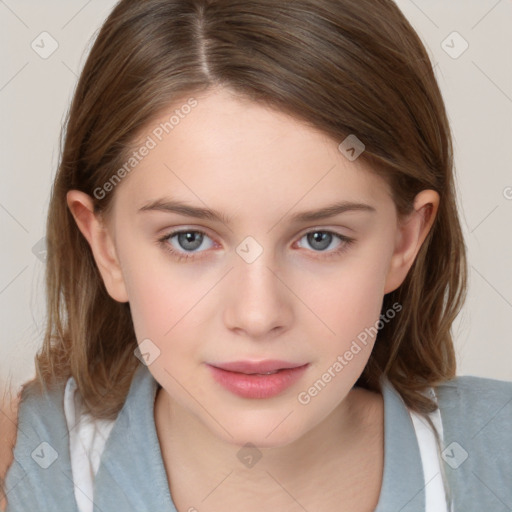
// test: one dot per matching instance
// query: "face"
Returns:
(260, 282)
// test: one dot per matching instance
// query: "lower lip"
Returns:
(258, 386)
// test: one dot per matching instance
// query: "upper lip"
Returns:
(256, 366)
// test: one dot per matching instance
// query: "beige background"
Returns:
(477, 86)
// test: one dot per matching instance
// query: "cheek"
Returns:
(348, 300)
(350, 305)
(156, 293)
(165, 314)
(160, 304)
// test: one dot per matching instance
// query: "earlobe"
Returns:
(411, 233)
(102, 246)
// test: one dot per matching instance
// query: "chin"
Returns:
(274, 432)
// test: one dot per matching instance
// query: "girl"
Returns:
(254, 261)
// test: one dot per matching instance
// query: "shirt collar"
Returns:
(403, 481)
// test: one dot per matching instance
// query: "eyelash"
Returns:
(179, 256)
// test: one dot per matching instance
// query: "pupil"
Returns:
(195, 239)
(323, 238)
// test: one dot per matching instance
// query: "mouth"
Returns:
(267, 367)
(257, 380)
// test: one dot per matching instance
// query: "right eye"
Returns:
(187, 242)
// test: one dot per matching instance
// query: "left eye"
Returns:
(321, 240)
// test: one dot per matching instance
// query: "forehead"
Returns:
(241, 155)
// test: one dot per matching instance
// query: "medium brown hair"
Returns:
(345, 67)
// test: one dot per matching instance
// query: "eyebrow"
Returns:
(181, 208)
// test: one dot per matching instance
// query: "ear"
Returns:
(103, 248)
(411, 233)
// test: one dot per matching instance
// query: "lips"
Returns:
(257, 380)
(259, 367)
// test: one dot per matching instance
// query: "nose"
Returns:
(259, 305)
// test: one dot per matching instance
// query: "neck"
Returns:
(198, 460)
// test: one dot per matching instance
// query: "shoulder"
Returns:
(476, 414)
(470, 383)
(42, 410)
(41, 453)
(476, 403)
(475, 393)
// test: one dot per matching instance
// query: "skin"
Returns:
(259, 167)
